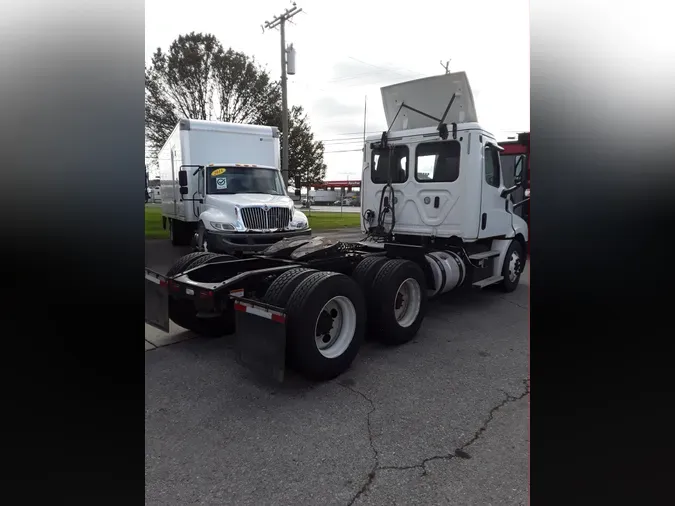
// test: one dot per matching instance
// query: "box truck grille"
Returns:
(257, 218)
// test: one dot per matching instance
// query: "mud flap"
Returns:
(261, 338)
(156, 300)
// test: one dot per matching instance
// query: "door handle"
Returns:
(437, 202)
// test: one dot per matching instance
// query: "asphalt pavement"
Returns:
(441, 420)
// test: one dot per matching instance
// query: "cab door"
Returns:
(495, 218)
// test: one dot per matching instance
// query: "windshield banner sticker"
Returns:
(218, 172)
(221, 182)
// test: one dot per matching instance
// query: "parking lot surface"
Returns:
(441, 420)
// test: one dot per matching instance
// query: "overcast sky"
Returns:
(347, 50)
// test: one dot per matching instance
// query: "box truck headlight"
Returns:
(222, 226)
(299, 221)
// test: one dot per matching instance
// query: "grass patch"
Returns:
(324, 221)
(317, 221)
(153, 223)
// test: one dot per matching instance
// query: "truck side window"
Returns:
(200, 182)
(492, 166)
(437, 162)
(508, 163)
(380, 165)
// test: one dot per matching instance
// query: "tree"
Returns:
(198, 79)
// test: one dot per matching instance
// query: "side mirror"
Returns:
(183, 180)
(183, 190)
(518, 170)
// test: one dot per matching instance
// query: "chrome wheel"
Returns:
(335, 327)
(407, 302)
(514, 267)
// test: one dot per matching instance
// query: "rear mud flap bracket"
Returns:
(261, 338)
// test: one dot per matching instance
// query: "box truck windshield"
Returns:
(233, 180)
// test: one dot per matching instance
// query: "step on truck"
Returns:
(436, 217)
(221, 188)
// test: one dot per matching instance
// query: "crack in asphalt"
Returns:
(376, 455)
(515, 303)
(458, 453)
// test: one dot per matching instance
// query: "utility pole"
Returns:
(280, 21)
(446, 66)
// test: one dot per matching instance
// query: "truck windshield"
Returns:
(232, 180)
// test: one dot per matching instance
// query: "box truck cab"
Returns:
(221, 188)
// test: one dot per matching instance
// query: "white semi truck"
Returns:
(437, 217)
(221, 188)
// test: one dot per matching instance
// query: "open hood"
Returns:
(430, 95)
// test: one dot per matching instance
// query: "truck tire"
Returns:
(182, 264)
(207, 258)
(401, 299)
(281, 288)
(330, 305)
(513, 267)
(364, 275)
(184, 314)
(366, 270)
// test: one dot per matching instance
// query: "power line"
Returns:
(335, 143)
(360, 133)
(345, 151)
(343, 140)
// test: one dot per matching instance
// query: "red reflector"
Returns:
(278, 318)
(239, 307)
(174, 286)
(162, 283)
(206, 295)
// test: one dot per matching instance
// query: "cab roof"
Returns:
(237, 164)
(222, 126)
(430, 131)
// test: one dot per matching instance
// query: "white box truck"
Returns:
(221, 188)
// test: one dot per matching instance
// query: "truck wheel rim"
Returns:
(335, 327)
(407, 302)
(514, 267)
